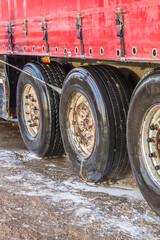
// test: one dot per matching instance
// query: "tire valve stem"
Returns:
(157, 167)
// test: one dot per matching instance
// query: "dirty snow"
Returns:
(49, 189)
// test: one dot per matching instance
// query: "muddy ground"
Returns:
(42, 199)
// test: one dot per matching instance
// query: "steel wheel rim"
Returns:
(31, 110)
(81, 125)
(150, 143)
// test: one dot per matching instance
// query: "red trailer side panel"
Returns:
(141, 28)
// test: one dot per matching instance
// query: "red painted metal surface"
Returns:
(141, 27)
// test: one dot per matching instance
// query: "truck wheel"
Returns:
(143, 137)
(93, 110)
(38, 109)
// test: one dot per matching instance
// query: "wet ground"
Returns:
(42, 199)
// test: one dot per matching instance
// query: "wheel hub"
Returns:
(31, 110)
(150, 144)
(81, 125)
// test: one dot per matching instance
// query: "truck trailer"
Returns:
(83, 79)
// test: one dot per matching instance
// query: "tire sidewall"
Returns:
(146, 95)
(83, 83)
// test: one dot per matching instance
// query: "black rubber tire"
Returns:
(108, 94)
(146, 94)
(48, 142)
(130, 75)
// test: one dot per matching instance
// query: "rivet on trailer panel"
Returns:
(65, 50)
(134, 51)
(154, 52)
(90, 51)
(101, 51)
(76, 50)
(118, 52)
(56, 49)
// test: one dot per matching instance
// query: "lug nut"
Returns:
(33, 100)
(151, 155)
(154, 154)
(35, 108)
(29, 95)
(31, 125)
(157, 167)
(149, 140)
(152, 127)
(26, 97)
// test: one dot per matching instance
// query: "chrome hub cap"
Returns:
(150, 144)
(31, 110)
(81, 125)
